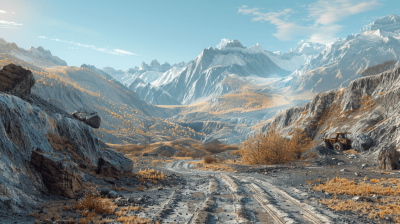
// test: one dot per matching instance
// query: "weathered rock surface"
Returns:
(113, 164)
(16, 80)
(91, 118)
(361, 142)
(367, 108)
(388, 159)
(57, 174)
(23, 128)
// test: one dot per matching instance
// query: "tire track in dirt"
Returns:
(276, 214)
(306, 210)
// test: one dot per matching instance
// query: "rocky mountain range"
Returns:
(37, 55)
(343, 60)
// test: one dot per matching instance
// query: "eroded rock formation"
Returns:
(113, 164)
(58, 174)
(17, 81)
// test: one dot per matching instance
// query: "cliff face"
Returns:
(23, 129)
(369, 105)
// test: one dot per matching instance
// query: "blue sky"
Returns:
(122, 34)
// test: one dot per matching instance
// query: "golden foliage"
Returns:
(209, 159)
(59, 143)
(93, 200)
(272, 148)
(150, 174)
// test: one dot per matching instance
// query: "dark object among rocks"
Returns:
(91, 118)
(58, 175)
(388, 158)
(17, 81)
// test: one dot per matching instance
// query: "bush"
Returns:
(272, 148)
(93, 200)
(209, 159)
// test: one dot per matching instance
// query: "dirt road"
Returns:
(227, 197)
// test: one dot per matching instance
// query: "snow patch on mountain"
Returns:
(344, 59)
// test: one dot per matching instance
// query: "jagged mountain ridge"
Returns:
(295, 58)
(38, 56)
(202, 79)
(343, 60)
(152, 94)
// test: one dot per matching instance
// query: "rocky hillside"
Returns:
(44, 149)
(369, 106)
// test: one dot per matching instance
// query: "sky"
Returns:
(123, 33)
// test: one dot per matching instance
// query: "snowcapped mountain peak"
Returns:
(225, 43)
(389, 23)
(154, 63)
(304, 47)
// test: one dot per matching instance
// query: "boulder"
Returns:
(165, 150)
(91, 118)
(113, 164)
(388, 158)
(58, 174)
(361, 142)
(17, 81)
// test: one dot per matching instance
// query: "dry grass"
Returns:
(59, 143)
(209, 159)
(93, 200)
(235, 152)
(150, 174)
(272, 148)
(387, 206)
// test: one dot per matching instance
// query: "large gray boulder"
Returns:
(361, 142)
(91, 118)
(113, 164)
(58, 174)
(17, 81)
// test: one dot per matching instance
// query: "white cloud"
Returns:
(105, 50)
(2, 11)
(328, 12)
(9, 25)
(323, 14)
(124, 52)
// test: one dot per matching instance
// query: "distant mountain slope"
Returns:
(152, 94)
(202, 79)
(295, 58)
(344, 60)
(38, 56)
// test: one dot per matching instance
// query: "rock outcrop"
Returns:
(361, 142)
(91, 118)
(367, 108)
(388, 159)
(113, 164)
(17, 81)
(58, 174)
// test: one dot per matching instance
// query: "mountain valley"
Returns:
(235, 135)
